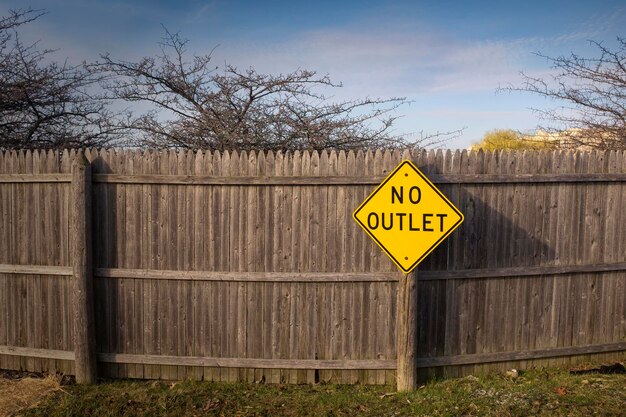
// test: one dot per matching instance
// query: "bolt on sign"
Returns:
(407, 216)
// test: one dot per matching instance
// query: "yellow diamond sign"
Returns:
(407, 216)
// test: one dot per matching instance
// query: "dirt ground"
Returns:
(20, 391)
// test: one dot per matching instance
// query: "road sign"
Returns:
(407, 216)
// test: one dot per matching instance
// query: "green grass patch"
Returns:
(549, 392)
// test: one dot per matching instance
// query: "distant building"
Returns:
(577, 138)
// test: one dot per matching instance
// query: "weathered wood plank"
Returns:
(464, 178)
(36, 178)
(319, 276)
(234, 363)
(37, 353)
(150, 207)
(407, 333)
(35, 270)
(82, 299)
(519, 355)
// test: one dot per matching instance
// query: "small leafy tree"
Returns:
(499, 139)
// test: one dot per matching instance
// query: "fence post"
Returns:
(81, 255)
(406, 327)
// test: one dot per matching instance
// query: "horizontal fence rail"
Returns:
(358, 277)
(312, 180)
(178, 275)
(327, 180)
(321, 364)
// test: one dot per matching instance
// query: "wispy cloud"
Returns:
(405, 61)
(392, 62)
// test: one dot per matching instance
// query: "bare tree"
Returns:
(44, 104)
(197, 105)
(593, 93)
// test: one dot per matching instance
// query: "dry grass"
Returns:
(17, 395)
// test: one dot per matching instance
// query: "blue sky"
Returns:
(447, 57)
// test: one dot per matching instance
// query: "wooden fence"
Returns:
(248, 266)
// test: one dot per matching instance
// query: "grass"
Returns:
(550, 392)
(20, 394)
